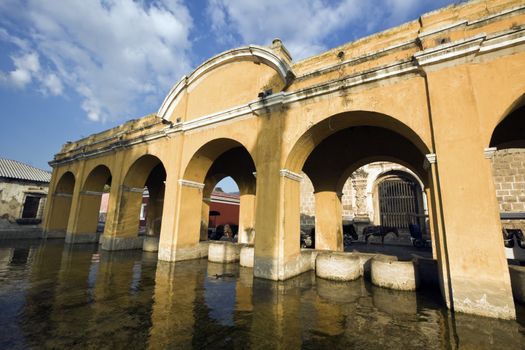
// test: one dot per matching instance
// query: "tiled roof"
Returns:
(15, 170)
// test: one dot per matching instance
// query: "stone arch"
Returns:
(61, 203)
(422, 178)
(331, 149)
(85, 226)
(307, 142)
(147, 171)
(202, 160)
(212, 162)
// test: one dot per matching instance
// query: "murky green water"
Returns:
(58, 296)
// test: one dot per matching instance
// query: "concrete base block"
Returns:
(484, 298)
(169, 253)
(224, 252)
(151, 244)
(338, 266)
(399, 275)
(271, 269)
(246, 256)
(21, 233)
(121, 243)
(365, 260)
(517, 280)
(81, 238)
(54, 234)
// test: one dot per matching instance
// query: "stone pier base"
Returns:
(392, 274)
(151, 244)
(338, 266)
(246, 257)
(224, 252)
(80, 238)
(121, 243)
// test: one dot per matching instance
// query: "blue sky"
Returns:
(72, 68)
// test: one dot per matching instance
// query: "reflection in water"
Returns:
(63, 296)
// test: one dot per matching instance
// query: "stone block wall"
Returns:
(509, 179)
(508, 168)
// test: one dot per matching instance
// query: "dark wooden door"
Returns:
(398, 202)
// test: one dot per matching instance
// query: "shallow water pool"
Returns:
(74, 296)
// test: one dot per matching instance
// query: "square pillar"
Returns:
(328, 221)
(473, 260)
(277, 247)
(182, 243)
(247, 218)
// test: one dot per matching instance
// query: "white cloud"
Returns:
(115, 54)
(305, 25)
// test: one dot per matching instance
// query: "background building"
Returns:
(23, 191)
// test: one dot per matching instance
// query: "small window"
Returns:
(30, 210)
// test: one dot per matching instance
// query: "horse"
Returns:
(508, 237)
(379, 230)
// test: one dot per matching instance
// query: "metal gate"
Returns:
(398, 202)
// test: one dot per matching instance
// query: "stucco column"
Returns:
(122, 220)
(205, 218)
(277, 252)
(50, 202)
(247, 218)
(328, 221)
(430, 224)
(84, 225)
(75, 211)
(57, 213)
(184, 243)
(473, 244)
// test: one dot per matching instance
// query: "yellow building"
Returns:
(438, 95)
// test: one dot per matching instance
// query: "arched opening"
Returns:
(336, 152)
(507, 149)
(223, 213)
(142, 201)
(215, 161)
(89, 223)
(61, 204)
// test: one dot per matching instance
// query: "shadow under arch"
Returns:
(510, 131)
(61, 203)
(203, 159)
(316, 134)
(422, 179)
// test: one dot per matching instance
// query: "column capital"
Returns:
(91, 193)
(132, 189)
(430, 159)
(489, 152)
(192, 184)
(290, 175)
